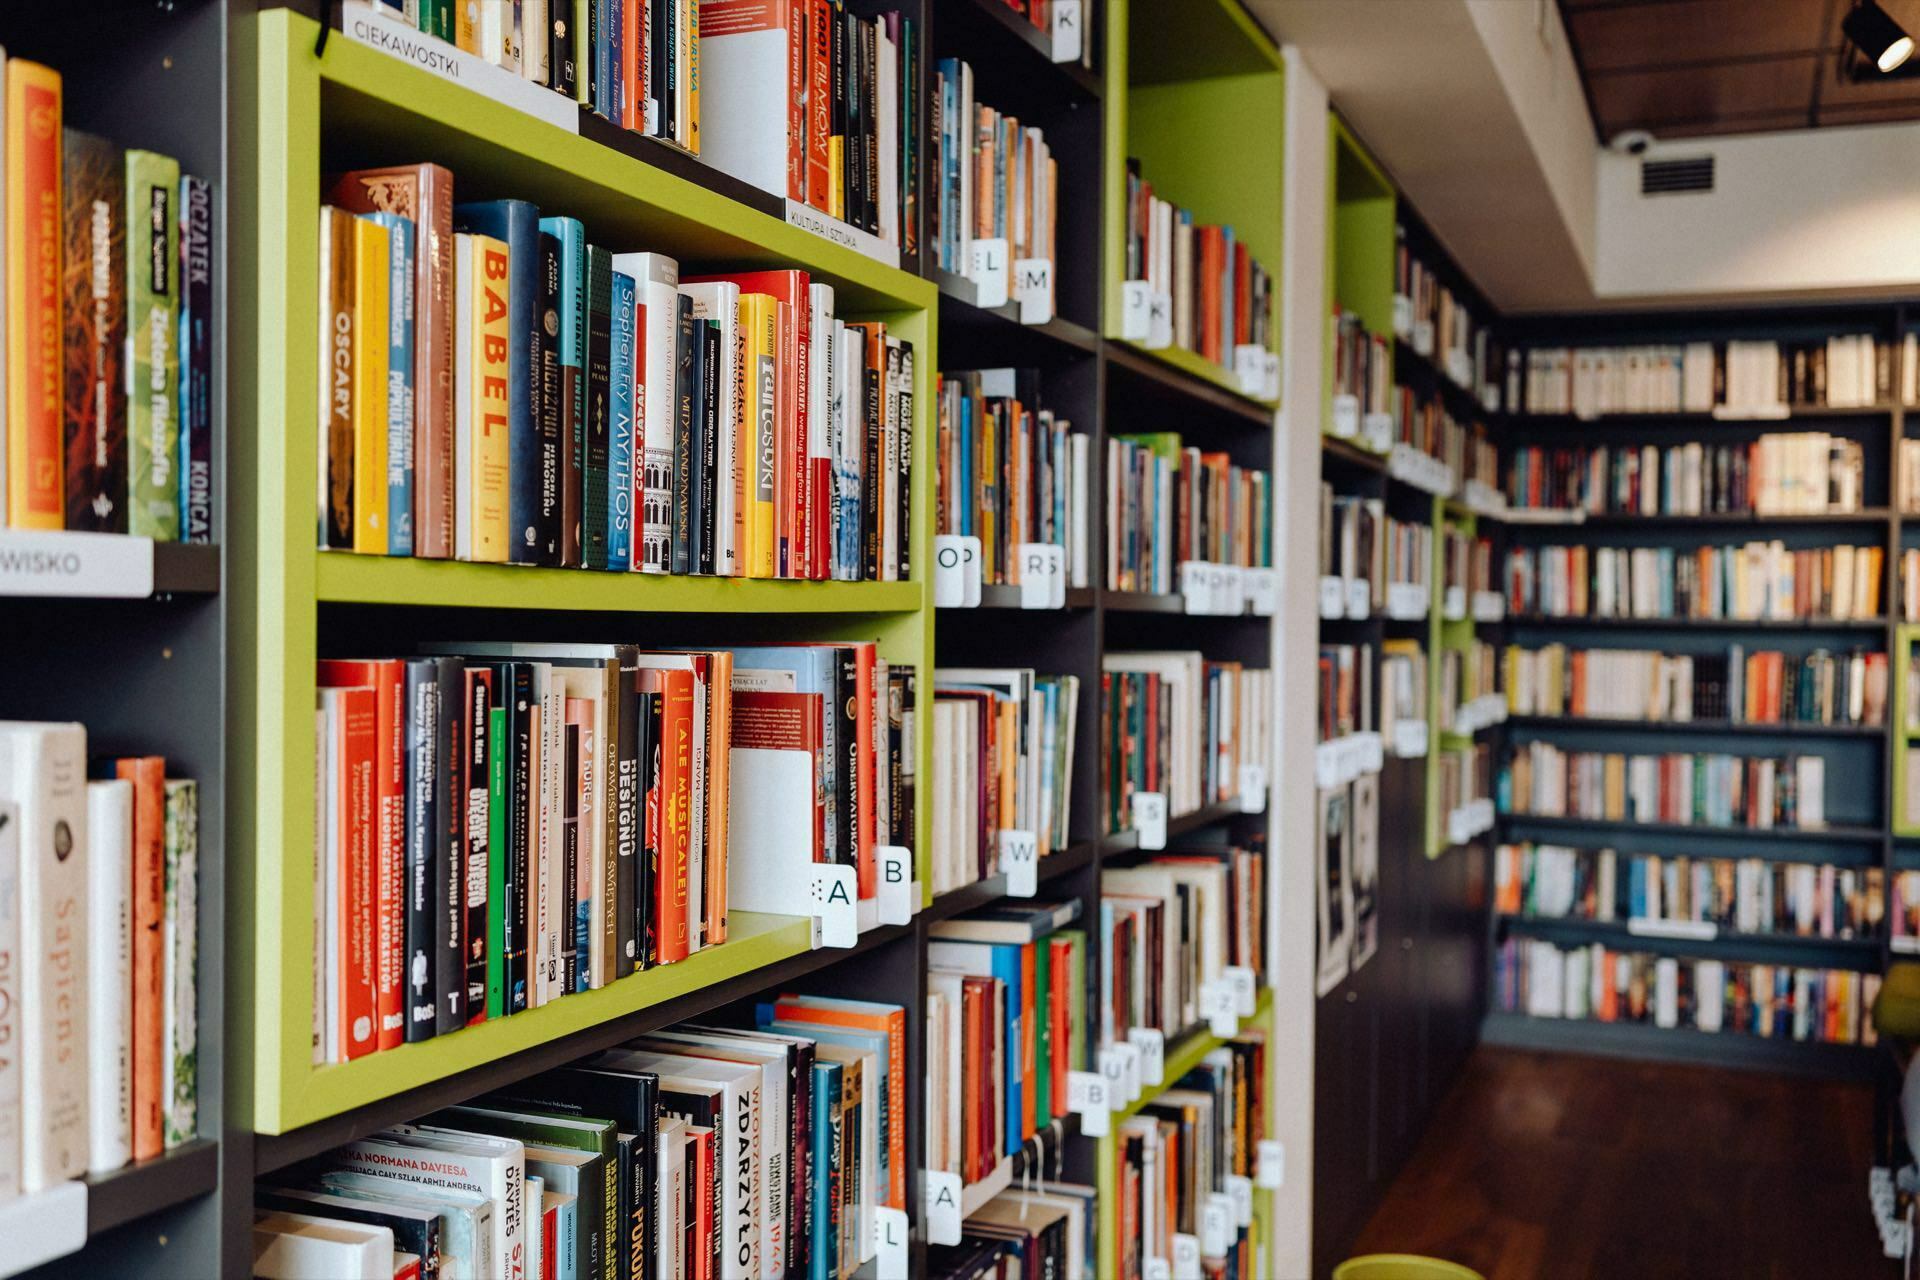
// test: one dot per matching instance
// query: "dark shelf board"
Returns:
(1142, 602)
(1761, 948)
(1335, 452)
(1678, 1044)
(1790, 729)
(179, 568)
(148, 1186)
(1139, 363)
(958, 310)
(1004, 596)
(983, 893)
(1795, 412)
(277, 1151)
(1429, 370)
(1181, 825)
(1868, 516)
(1016, 33)
(1713, 624)
(1829, 835)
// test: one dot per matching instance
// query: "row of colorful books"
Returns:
(107, 424)
(1006, 1022)
(1362, 364)
(1360, 541)
(1464, 780)
(1709, 789)
(499, 389)
(1781, 1002)
(760, 1151)
(1177, 725)
(1442, 327)
(1011, 472)
(997, 179)
(502, 825)
(1173, 926)
(1427, 425)
(1403, 687)
(1466, 561)
(1743, 895)
(1218, 295)
(1170, 503)
(1346, 690)
(1467, 673)
(99, 951)
(1003, 750)
(1755, 378)
(1764, 687)
(1756, 581)
(1780, 473)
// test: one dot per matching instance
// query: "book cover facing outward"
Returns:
(35, 497)
(96, 334)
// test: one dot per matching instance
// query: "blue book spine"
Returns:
(1006, 967)
(516, 223)
(826, 1092)
(967, 459)
(620, 443)
(605, 35)
(616, 45)
(400, 312)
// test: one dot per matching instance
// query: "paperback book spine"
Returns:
(515, 224)
(569, 342)
(153, 326)
(622, 427)
(685, 362)
(423, 824)
(196, 360)
(555, 453)
(180, 1024)
(338, 315)
(96, 328)
(372, 256)
(708, 528)
(595, 523)
(449, 851)
(35, 365)
(398, 391)
(497, 731)
(147, 774)
(476, 781)
(109, 976)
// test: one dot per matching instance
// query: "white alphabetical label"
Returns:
(943, 1194)
(1372, 752)
(894, 883)
(1152, 1044)
(1409, 739)
(1272, 361)
(1240, 1191)
(1402, 315)
(990, 271)
(1043, 575)
(1066, 33)
(1245, 988)
(1270, 1167)
(1229, 591)
(1263, 591)
(1346, 416)
(1186, 1256)
(1333, 597)
(1120, 1064)
(1376, 431)
(1216, 1225)
(1033, 289)
(1453, 605)
(1150, 819)
(383, 28)
(1359, 598)
(1160, 333)
(970, 563)
(1089, 1098)
(1220, 1007)
(115, 565)
(1407, 601)
(1423, 337)
(890, 1235)
(1156, 1269)
(1253, 788)
(833, 901)
(1020, 862)
(1136, 311)
(1250, 368)
(949, 571)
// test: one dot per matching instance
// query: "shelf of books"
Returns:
(113, 522)
(1707, 680)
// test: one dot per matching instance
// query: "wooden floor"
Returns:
(1558, 1166)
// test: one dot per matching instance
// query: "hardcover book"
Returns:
(35, 367)
(153, 329)
(96, 334)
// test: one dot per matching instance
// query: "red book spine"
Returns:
(148, 776)
(819, 103)
(359, 751)
(1060, 1010)
(798, 106)
(703, 1202)
(675, 812)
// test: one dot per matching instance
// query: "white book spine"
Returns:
(657, 278)
(43, 769)
(180, 1111)
(109, 975)
(9, 998)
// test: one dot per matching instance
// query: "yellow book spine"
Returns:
(35, 366)
(690, 27)
(763, 351)
(837, 179)
(371, 249)
(492, 459)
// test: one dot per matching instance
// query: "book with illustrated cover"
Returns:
(35, 365)
(153, 331)
(94, 173)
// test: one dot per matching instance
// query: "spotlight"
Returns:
(1878, 36)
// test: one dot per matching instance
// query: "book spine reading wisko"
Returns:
(449, 855)
(423, 826)
(599, 407)
(554, 452)
(710, 447)
(683, 388)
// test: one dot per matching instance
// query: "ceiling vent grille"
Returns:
(1676, 177)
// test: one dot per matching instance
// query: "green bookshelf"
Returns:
(1361, 212)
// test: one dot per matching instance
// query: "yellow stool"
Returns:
(1402, 1266)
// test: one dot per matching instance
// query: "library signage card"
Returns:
(1253, 787)
(1240, 1191)
(114, 565)
(943, 1207)
(1346, 416)
(1186, 1256)
(1220, 1006)
(1216, 1225)
(1043, 575)
(956, 571)
(1033, 289)
(1270, 1168)
(1376, 431)
(1150, 819)
(1088, 1097)
(804, 216)
(1263, 591)
(890, 1236)
(1120, 1064)
(990, 270)
(832, 896)
(1152, 1045)
(894, 889)
(1068, 30)
(1333, 597)
(1136, 311)
(1020, 862)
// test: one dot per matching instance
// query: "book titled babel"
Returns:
(43, 775)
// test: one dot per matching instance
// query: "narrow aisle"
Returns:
(1560, 1166)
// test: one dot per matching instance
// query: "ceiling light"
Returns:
(1878, 36)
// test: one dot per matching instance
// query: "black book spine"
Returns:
(423, 718)
(599, 402)
(519, 815)
(562, 70)
(548, 407)
(710, 447)
(629, 801)
(570, 851)
(449, 854)
(847, 742)
(647, 864)
(666, 32)
(196, 359)
(870, 474)
(870, 111)
(903, 464)
(630, 1261)
(683, 385)
(694, 515)
(800, 1264)
(478, 760)
(853, 100)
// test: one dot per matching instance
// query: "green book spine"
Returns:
(153, 328)
(497, 800)
(180, 1112)
(1043, 1034)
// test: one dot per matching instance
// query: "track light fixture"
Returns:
(1884, 41)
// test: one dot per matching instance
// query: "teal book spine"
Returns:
(824, 1141)
(570, 342)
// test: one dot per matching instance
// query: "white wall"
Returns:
(1296, 640)
(1791, 213)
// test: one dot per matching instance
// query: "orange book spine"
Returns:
(148, 776)
(819, 21)
(675, 807)
(35, 369)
